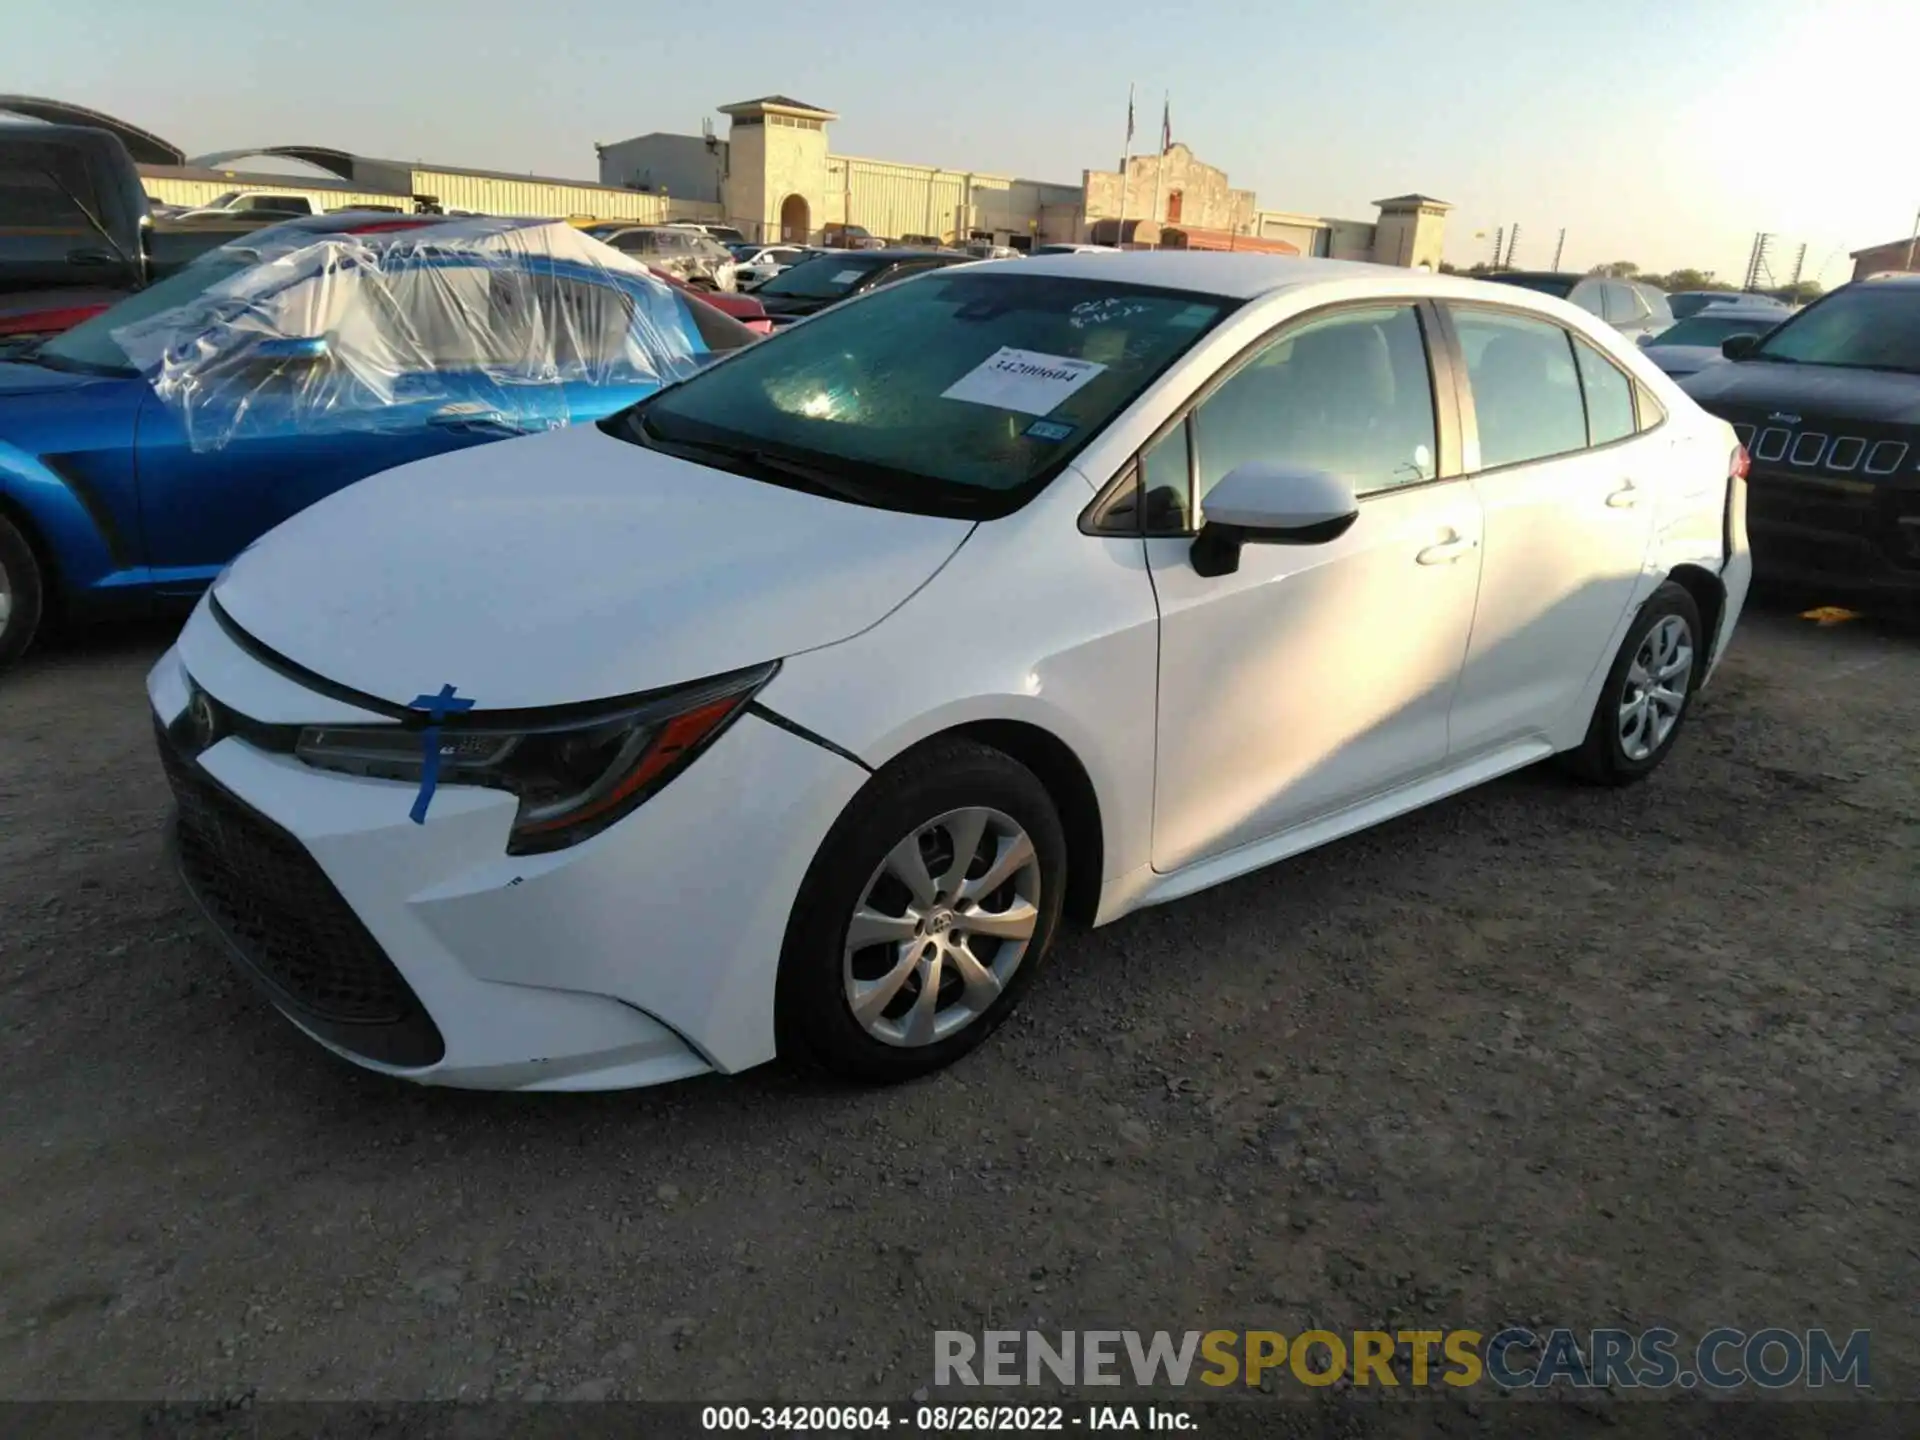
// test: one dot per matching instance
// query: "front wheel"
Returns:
(21, 600)
(925, 915)
(1647, 691)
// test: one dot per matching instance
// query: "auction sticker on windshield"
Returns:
(1024, 380)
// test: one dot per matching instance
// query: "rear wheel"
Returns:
(1647, 692)
(924, 916)
(21, 600)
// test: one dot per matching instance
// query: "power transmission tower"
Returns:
(1757, 261)
(1799, 261)
(1499, 241)
(1513, 238)
(1558, 246)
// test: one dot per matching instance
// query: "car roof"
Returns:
(1243, 275)
(892, 252)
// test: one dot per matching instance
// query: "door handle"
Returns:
(1626, 497)
(90, 257)
(1446, 551)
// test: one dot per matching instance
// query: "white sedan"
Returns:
(759, 264)
(790, 711)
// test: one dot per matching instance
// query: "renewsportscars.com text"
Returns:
(1514, 1358)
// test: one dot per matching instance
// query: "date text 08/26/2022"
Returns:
(937, 1419)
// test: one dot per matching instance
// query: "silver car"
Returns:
(1694, 343)
(1632, 308)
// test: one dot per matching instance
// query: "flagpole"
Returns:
(1160, 166)
(1126, 174)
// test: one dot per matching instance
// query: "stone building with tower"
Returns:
(774, 176)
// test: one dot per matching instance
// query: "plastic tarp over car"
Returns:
(319, 332)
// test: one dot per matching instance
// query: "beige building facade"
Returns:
(775, 177)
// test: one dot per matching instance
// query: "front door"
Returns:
(1316, 675)
(1567, 487)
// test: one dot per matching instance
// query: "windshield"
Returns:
(825, 277)
(1561, 285)
(960, 393)
(1865, 327)
(1712, 329)
(90, 345)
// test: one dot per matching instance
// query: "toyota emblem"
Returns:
(203, 720)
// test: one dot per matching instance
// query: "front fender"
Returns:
(1030, 622)
(73, 528)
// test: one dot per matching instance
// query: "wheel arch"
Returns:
(1071, 788)
(21, 518)
(1709, 593)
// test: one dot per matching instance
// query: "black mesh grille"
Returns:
(287, 924)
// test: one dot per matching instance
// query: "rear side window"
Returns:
(1526, 391)
(1609, 396)
(39, 183)
(1588, 298)
(1348, 393)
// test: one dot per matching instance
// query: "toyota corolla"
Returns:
(790, 710)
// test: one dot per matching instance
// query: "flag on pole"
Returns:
(1129, 115)
(1166, 125)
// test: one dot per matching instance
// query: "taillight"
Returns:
(1740, 464)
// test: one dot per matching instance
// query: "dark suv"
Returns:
(1828, 406)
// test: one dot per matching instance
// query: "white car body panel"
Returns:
(654, 551)
(1221, 723)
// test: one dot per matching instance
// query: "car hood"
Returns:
(21, 378)
(570, 566)
(1684, 359)
(1826, 392)
(793, 304)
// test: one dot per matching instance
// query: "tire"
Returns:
(1619, 750)
(22, 600)
(927, 797)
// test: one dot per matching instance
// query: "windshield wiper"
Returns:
(746, 460)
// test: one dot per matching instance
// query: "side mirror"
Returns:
(1646, 339)
(1738, 347)
(1262, 503)
(291, 350)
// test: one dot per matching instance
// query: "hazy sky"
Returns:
(1660, 131)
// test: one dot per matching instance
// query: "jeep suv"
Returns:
(1828, 406)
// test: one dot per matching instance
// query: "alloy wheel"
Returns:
(942, 924)
(1655, 690)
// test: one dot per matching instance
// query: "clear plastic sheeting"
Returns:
(480, 325)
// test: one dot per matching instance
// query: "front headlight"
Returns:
(577, 769)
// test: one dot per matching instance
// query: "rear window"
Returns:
(1560, 285)
(39, 185)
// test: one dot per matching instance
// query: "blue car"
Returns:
(145, 448)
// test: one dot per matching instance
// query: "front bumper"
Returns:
(646, 954)
(1849, 535)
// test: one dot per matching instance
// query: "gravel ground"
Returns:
(1539, 1053)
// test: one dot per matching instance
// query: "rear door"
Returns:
(1567, 488)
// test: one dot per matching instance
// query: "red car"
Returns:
(744, 308)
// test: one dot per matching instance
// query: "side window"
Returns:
(1587, 296)
(1350, 393)
(1526, 393)
(1166, 477)
(1652, 412)
(1609, 396)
